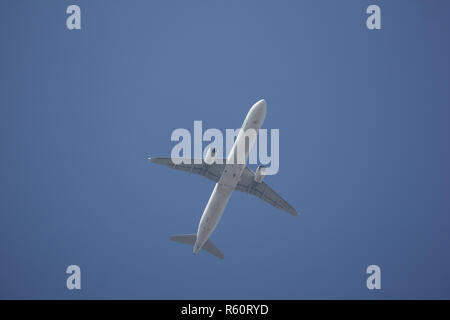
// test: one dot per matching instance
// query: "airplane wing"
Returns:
(248, 184)
(212, 172)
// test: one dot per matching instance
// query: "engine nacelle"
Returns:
(259, 174)
(210, 155)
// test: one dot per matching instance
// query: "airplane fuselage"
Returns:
(235, 165)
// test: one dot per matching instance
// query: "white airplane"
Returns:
(229, 175)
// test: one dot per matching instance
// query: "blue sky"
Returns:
(364, 153)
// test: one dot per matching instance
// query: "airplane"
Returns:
(229, 175)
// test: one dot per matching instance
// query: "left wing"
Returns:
(248, 184)
(210, 171)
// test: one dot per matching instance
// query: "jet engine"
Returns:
(210, 155)
(259, 174)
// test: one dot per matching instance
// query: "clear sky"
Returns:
(364, 150)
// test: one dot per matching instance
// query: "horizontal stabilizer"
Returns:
(211, 248)
(191, 238)
(185, 238)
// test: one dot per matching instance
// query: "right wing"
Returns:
(248, 185)
(211, 171)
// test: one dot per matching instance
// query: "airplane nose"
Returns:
(261, 104)
(259, 107)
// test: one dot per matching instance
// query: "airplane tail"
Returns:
(191, 238)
